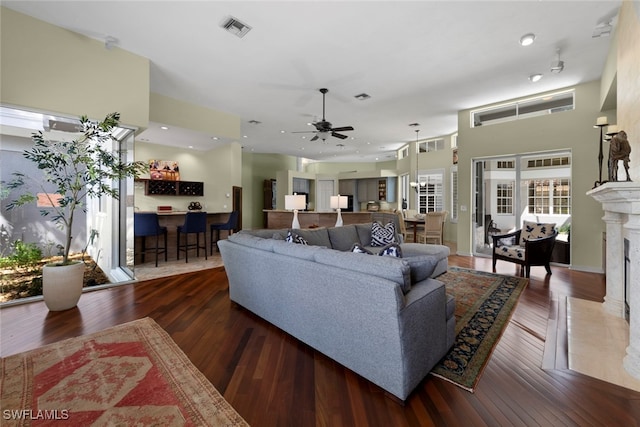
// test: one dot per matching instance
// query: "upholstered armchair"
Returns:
(530, 246)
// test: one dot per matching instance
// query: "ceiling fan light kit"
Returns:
(324, 128)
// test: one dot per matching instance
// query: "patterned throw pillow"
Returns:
(392, 249)
(382, 235)
(294, 238)
(535, 230)
(359, 249)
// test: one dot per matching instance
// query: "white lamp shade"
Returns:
(294, 202)
(612, 129)
(602, 121)
(339, 202)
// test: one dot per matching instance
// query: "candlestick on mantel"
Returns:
(600, 123)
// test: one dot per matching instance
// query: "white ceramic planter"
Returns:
(62, 285)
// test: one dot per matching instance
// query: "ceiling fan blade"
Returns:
(314, 138)
(342, 129)
(338, 135)
(305, 131)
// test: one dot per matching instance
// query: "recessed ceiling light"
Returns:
(215, 138)
(245, 136)
(535, 77)
(282, 131)
(164, 127)
(191, 146)
(527, 39)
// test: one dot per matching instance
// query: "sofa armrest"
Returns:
(423, 328)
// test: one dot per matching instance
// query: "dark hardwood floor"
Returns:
(274, 380)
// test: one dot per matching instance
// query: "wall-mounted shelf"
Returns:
(156, 187)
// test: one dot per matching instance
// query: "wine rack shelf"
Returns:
(153, 187)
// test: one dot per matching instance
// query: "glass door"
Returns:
(533, 187)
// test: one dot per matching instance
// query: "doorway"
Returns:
(510, 189)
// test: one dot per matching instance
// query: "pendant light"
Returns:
(415, 184)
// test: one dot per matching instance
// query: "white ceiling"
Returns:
(420, 61)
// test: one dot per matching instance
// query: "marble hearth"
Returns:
(621, 205)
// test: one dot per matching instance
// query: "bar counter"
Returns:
(172, 220)
(275, 218)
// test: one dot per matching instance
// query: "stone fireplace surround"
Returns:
(621, 205)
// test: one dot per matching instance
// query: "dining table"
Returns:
(415, 221)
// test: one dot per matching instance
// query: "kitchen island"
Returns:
(276, 218)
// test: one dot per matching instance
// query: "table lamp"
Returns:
(339, 202)
(295, 202)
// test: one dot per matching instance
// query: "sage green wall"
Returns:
(48, 68)
(173, 112)
(255, 169)
(566, 130)
(220, 169)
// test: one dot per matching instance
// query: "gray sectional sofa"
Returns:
(383, 317)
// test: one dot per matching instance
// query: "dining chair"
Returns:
(194, 223)
(433, 227)
(403, 227)
(230, 225)
(146, 224)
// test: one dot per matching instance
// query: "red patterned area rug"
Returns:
(484, 303)
(130, 374)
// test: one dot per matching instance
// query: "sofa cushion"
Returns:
(515, 251)
(343, 238)
(266, 233)
(422, 266)
(418, 249)
(389, 268)
(535, 230)
(314, 236)
(247, 239)
(382, 235)
(297, 251)
(364, 233)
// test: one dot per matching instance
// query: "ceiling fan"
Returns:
(323, 127)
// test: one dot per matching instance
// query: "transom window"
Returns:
(531, 107)
(506, 164)
(548, 162)
(431, 145)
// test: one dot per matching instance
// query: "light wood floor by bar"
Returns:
(274, 380)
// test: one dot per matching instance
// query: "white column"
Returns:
(631, 361)
(614, 298)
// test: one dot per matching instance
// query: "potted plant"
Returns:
(73, 171)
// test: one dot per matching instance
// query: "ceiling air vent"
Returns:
(234, 26)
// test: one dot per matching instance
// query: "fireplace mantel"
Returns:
(621, 205)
